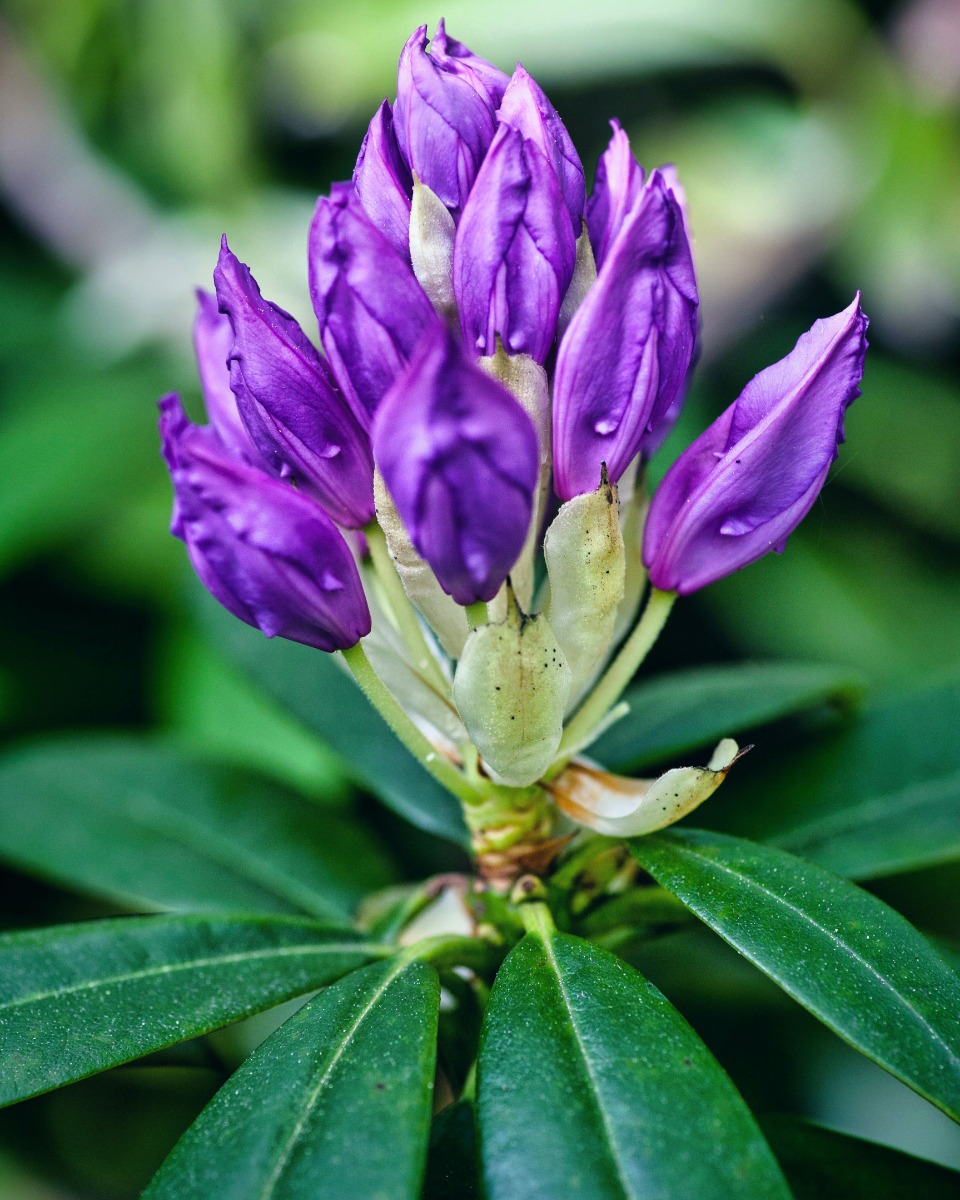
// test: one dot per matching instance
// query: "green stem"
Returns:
(402, 610)
(537, 918)
(477, 614)
(392, 712)
(617, 676)
(450, 950)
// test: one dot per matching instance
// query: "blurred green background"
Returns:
(818, 143)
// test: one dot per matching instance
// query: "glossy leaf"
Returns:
(822, 1164)
(452, 1160)
(843, 954)
(878, 797)
(689, 709)
(335, 1104)
(591, 1084)
(143, 824)
(78, 999)
(316, 689)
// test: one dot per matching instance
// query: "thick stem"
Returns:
(617, 676)
(392, 712)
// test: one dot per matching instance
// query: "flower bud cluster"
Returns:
(491, 338)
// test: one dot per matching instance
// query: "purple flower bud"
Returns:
(371, 310)
(212, 342)
(302, 425)
(514, 253)
(444, 119)
(626, 354)
(616, 190)
(382, 181)
(746, 483)
(483, 76)
(460, 459)
(269, 554)
(526, 109)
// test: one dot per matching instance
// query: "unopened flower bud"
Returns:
(511, 690)
(382, 181)
(746, 483)
(269, 554)
(586, 565)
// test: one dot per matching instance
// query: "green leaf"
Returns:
(878, 797)
(335, 1104)
(452, 1161)
(81, 998)
(822, 1164)
(145, 825)
(689, 709)
(315, 688)
(591, 1084)
(853, 962)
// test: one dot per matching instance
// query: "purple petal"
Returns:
(460, 459)
(444, 121)
(302, 425)
(746, 483)
(212, 342)
(269, 554)
(625, 357)
(371, 310)
(382, 181)
(616, 190)
(515, 251)
(483, 76)
(526, 109)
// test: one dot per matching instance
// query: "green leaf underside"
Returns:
(335, 1104)
(591, 1084)
(879, 797)
(853, 962)
(78, 999)
(822, 1164)
(314, 688)
(677, 713)
(145, 825)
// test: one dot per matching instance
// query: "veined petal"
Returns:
(444, 120)
(625, 357)
(526, 109)
(616, 190)
(483, 76)
(383, 182)
(459, 457)
(212, 343)
(371, 310)
(514, 252)
(745, 484)
(300, 422)
(269, 554)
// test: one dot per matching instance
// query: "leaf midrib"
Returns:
(845, 946)
(595, 1090)
(192, 964)
(283, 1156)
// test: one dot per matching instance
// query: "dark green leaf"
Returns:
(81, 998)
(335, 1104)
(142, 823)
(843, 954)
(316, 688)
(452, 1162)
(678, 713)
(879, 797)
(822, 1164)
(591, 1084)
